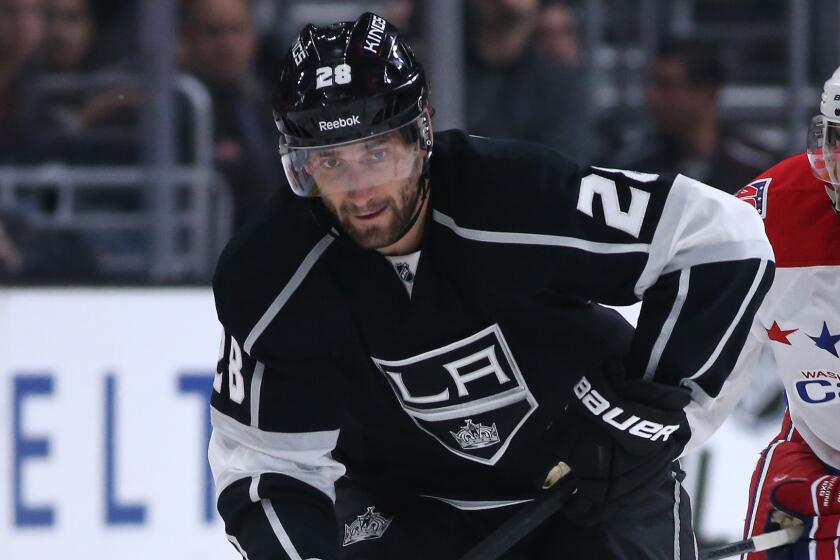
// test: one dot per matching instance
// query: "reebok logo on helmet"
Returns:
(339, 123)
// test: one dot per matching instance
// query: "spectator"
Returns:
(516, 92)
(557, 34)
(687, 136)
(218, 46)
(21, 35)
(69, 35)
(62, 115)
(69, 48)
(28, 254)
(68, 38)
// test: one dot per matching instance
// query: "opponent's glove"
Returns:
(815, 500)
(620, 438)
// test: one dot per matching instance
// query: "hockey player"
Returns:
(796, 479)
(412, 346)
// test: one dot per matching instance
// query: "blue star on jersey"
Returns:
(826, 340)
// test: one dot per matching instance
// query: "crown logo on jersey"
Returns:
(476, 436)
(370, 525)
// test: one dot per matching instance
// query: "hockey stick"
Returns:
(522, 523)
(755, 544)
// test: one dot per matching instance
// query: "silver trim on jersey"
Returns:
(237, 546)
(471, 505)
(538, 238)
(759, 277)
(254, 488)
(232, 461)
(492, 402)
(273, 441)
(280, 531)
(256, 388)
(700, 225)
(721, 252)
(287, 291)
(635, 175)
(677, 555)
(668, 327)
(698, 394)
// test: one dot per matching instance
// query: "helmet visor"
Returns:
(824, 149)
(376, 161)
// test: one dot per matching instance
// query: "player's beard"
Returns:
(401, 209)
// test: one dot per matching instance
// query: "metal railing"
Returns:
(199, 220)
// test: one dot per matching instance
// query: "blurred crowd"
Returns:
(65, 98)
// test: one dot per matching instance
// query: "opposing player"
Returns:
(796, 479)
(414, 345)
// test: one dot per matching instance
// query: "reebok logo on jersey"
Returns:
(633, 425)
(339, 123)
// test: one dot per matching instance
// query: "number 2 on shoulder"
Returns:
(629, 221)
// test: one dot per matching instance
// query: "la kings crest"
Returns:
(469, 395)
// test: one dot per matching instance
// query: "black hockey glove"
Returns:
(620, 438)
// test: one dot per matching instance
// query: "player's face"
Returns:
(371, 188)
(824, 150)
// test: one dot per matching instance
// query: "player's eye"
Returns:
(378, 155)
(329, 163)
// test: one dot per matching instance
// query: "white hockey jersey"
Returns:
(801, 314)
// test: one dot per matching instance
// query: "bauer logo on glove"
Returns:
(617, 418)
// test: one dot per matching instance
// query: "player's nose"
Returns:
(359, 186)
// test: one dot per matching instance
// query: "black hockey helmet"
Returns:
(343, 83)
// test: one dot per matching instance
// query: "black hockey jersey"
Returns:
(328, 363)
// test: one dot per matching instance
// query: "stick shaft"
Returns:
(522, 523)
(756, 544)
